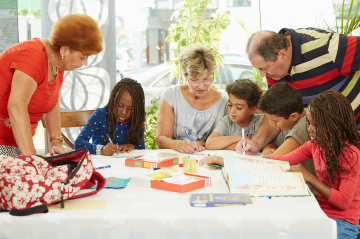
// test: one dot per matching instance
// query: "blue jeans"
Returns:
(346, 230)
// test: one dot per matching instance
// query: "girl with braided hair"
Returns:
(335, 148)
(122, 119)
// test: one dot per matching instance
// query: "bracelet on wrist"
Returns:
(98, 149)
(57, 138)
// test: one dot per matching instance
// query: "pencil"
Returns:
(111, 142)
(187, 134)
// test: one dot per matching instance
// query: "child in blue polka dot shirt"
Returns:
(122, 119)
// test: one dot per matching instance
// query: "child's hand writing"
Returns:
(126, 147)
(109, 149)
(212, 160)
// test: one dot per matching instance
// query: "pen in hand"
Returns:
(187, 134)
(243, 140)
(111, 142)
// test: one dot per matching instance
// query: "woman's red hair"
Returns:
(78, 31)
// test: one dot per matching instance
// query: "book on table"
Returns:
(219, 199)
(172, 181)
(155, 160)
(262, 177)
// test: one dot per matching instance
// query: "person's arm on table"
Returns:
(22, 88)
(53, 127)
(130, 147)
(216, 141)
(231, 147)
(263, 136)
(288, 146)
(165, 129)
(321, 187)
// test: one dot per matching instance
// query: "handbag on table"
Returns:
(30, 183)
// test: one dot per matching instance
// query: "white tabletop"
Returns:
(136, 212)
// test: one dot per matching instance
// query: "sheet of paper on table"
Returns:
(131, 154)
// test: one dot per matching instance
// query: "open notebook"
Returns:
(262, 177)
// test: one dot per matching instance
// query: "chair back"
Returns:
(69, 119)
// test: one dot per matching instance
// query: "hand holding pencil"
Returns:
(189, 146)
(110, 148)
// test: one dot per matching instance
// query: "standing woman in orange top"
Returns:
(31, 74)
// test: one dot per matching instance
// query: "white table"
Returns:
(135, 212)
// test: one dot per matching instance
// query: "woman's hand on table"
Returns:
(300, 168)
(212, 160)
(59, 149)
(187, 147)
(126, 147)
(109, 149)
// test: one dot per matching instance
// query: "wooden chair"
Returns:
(69, 119)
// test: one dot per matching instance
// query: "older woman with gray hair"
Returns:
(194, 107)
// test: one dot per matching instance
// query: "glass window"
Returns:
(163, 81)
(241, 71)
(130, 55)
(166, 82)
(239, 3)
(231, 72)
(118, 56)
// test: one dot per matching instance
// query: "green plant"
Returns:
(24, 13)
(191, 27)
(150, 126)
(352, 22)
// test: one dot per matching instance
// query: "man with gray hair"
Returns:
(310, 59)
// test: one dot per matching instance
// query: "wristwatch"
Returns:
(57, 137)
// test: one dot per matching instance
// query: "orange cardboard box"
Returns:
(202, 182)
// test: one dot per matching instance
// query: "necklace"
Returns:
(52, 63)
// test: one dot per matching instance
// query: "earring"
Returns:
(62, 56)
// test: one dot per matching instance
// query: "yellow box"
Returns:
(190, 166)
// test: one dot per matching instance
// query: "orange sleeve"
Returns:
(32, 62)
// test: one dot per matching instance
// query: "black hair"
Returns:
(136, 131)
(245, 89)
(334, 121)
(281, 100)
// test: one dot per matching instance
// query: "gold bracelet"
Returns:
(57, 137)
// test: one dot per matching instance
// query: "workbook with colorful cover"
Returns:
(155, 160)
(262, 177)
(219, 199)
